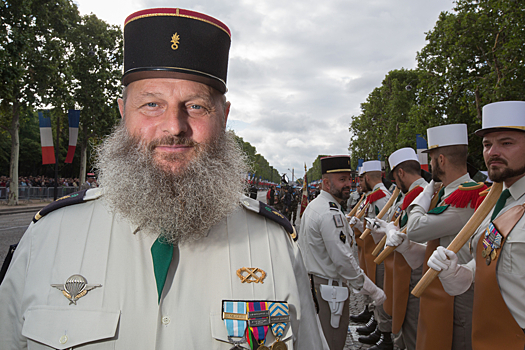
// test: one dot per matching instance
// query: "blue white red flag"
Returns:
(46, 139)
(74, 116)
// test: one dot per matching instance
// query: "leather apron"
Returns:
(401, 289)
(369, 246)
(493, 326)
(388, 284)
(436, 312)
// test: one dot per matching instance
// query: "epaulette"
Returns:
(482, 196)
(410, 196)
(270, 213)
(466, 193)
(333, 206)
(73, 198)
(376, 195)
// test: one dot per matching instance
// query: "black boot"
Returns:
(384, 343)
(372, 338)
(363, 317)
(368, 328)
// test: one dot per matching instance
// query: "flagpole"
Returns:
(57, 150)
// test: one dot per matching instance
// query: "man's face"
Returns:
(437, 172)
(340, 184)
(399, 179)
(173, 117)
(503, 153)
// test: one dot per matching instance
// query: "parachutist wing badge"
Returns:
(75, 288)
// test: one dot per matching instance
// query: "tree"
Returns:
(315, 173)
(32, 45)
(96, 68)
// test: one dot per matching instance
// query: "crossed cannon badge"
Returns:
(251, 276)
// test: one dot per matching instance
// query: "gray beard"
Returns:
(178, 207)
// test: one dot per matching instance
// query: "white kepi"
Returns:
(371, 165)
(499, 116)
(446, 135)
(402, 155)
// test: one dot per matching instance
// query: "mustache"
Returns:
(497, 159)
(171, 140)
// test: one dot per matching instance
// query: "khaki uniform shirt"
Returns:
(379, 204)
(511, 263)
(424, 227)
(124, 313)
(327, 242)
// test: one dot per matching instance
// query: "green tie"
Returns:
(500, 203)
(161, 253)
(440, 194)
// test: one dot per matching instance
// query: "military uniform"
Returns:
(126, 311)
(329, 250)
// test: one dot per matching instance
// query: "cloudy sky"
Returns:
(299, 70)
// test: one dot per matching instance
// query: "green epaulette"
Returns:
(73, 198)
(270, 213)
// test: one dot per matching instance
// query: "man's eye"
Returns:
(195, 107)
(151, 104)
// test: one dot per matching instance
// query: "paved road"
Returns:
(12, 227)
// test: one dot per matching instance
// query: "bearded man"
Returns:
(168, 253)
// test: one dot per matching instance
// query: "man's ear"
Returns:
(227, 106)
(121, 107)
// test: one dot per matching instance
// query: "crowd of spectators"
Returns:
(40, 181)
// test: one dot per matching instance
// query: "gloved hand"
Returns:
(455, 278)
(376, 293)
(425, 197)
(378, 228)
(395, 238)
(355, 222)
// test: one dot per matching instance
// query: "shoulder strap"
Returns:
(73, 198)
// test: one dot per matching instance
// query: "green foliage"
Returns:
(258, 163)
(474, 56)
(314, 173)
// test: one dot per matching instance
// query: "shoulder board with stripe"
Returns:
(466, 193)
(270, 213)
(482, 196)
(73, 198)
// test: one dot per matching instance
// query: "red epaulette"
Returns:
(466, 193)
(374, 196)
(410, 196)
(482, 196)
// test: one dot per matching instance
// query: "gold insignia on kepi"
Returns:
(251, 275)
(175, 39)
(75, 288)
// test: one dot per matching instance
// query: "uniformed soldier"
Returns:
(445, 322)
(329, 252)
(498, 244)
(403, 268)
(90, 182)
(377, 199)
(143, 262)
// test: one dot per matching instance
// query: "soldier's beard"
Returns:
(181, 206)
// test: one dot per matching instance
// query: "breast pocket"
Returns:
(48, 327)
(219, 333)
(513, 253)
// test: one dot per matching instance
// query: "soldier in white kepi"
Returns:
(330, 252)
(498, 245)
(167, 253)
(444, 322)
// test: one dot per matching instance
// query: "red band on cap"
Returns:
(179, 13)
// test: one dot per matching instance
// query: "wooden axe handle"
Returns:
(383, 211)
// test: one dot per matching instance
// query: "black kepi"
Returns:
(335, 164)
(176, 43)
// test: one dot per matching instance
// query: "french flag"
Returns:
(74, 116)
(421, 145)
(46, 139)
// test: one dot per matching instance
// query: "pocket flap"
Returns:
(62, 328)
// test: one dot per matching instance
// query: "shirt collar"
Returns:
(331, 198)
(454, 185)
(419, 182)
(517, 189)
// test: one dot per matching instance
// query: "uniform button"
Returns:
(63, 339)
(246, 203)
(166, 320)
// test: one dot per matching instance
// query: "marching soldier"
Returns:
(498, 244)
(404, 267)
(445, 322)
(329, 251)
(377, 199)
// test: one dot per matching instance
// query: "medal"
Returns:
(258, 326)
(234, 316)
(278, 312)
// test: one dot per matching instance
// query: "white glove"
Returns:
(378, 228)
(456, 279)
(397, 239)
(376, 293)
(425, 197)
(355, 222)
